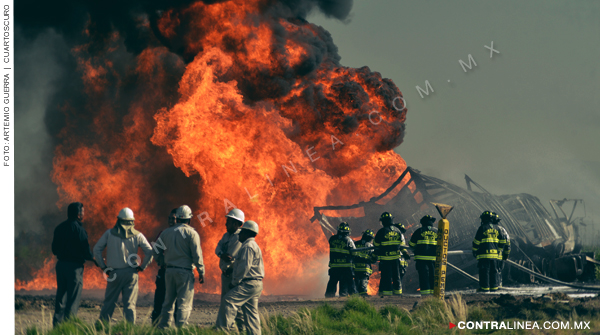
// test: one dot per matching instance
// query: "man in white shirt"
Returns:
(246, 283)
(227, 250)
(122, 264)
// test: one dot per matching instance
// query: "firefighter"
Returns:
(424, 243)
(159, 293)
(388, 243)
(182, 252)
(227, 250)
(340, 262)
(362, 261)
(488, 246)
(122, 264)
(246, 283)
(506, 250)
(71, 247)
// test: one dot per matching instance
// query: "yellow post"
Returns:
(439, 279)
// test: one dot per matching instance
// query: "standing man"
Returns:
(424, 243)
(71, 247)
(506, 250)
(488, 246)
(122, 264)
(182, 252)
(388, 242)
(246, 283)
(340, 262)
(362, 262)
(159, 293)
(227, 250)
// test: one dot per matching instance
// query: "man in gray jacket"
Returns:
(122, 264)
(246, 283)
(182, 252)
(227, 250)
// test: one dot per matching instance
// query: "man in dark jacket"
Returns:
(506, 250)
(488, 248)
(159, 293)
(71, 247)
(388, 247)
(362, 262)
(424, 243)
(340, 262)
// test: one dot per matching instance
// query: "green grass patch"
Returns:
(358, 316)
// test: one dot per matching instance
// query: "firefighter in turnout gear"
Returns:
(388, 242)
(340, 262)
(506, 250)
(424, 243)
(362, 262)
(488, 247)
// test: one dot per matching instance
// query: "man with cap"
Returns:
(340, 262)
(246, 283)
(424, 243)
(122, 264)
(71, 247)
(182, 252)
(227, 250)
(159, 293)
(388, 247)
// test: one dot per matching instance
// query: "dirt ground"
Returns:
(38, 309)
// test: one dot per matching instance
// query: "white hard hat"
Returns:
(250, 225)
(126, 214)
(236, 214)
(184, 212)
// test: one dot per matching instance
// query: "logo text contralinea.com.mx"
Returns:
(521, 325)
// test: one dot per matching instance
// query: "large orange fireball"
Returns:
(235, 104)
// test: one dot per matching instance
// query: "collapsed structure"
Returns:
(549, 245)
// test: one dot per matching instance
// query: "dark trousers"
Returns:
(342, 275)
(69, 284)
(426, 272)
(159, 295)
(361, 282)
(390, 282)
(488, 274)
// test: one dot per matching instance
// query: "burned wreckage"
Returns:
(549, 245)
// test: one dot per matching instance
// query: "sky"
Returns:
(525, 120)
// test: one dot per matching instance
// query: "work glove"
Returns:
(200, 277)
(226, 257)
(504, 257)
(139, 269)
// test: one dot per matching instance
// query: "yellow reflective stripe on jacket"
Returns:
(342, 251)
(412, 244)
(391, 242)
(389, 258)
(427, 242)
(475, 249)
(476, 242)
(340, 265)
(425, 258)
(488, 256)
(493, 240)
